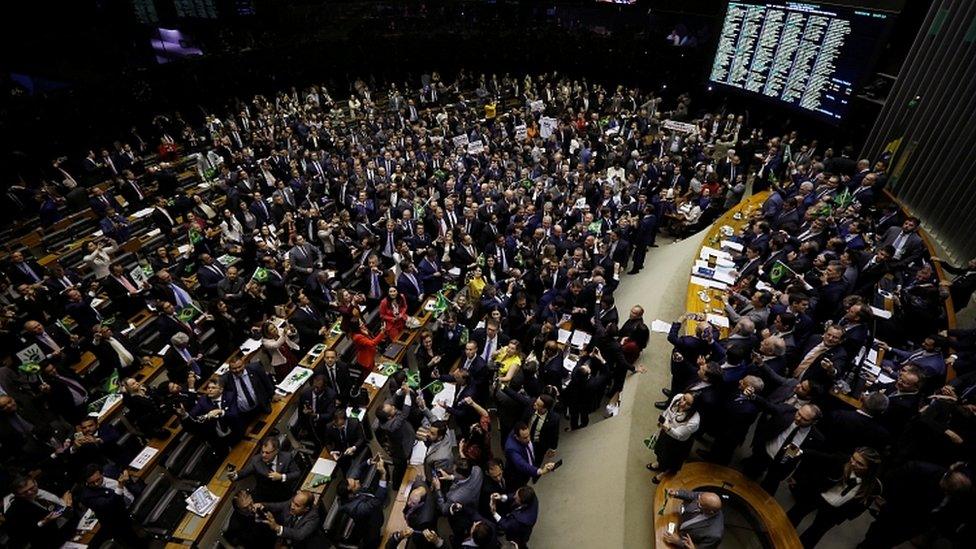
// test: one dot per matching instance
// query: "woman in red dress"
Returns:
(365, 345)
(393, 312)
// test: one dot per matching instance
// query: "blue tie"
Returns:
(182, 298)
(375, 286)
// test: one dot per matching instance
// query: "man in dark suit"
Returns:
(115, 352)
(687, 349)
(296, 521)
(318, 405)
(162, 218)
(398, 433)
(410, 285)
(430, 273)
(24, 271)
(519, 521)
(169, 324)
(250, 387)
(110, 499)
(81, 311)
(823, 358)
(124, 293)
(362, 506)
(904, 399)
(775, 446)
(38, 518)
(183, 357)
(701, 520)
(542, 420)
(846, 430)
(336, 374)
(275, 471)
(963, 285)
(520, 458)
(345, 438)
(209, 275)
(309, 323)
(477, 368)
(55, 344)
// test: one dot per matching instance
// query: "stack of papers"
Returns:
(250, 346)
(376, 379)
(580, 338)
(563, 336)
(87, 522)
(660, 326)
(295, 379)
(110, 401)
(731, 245)
(708, 283)
(143, 458)
(202, 501)
(321, 472)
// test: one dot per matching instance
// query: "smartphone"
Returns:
(672, 527)
(557, 465)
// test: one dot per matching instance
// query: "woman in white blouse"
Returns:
(231, 229)
(678, 423)
(99, 258)
(280, 349)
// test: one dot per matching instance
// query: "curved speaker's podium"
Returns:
(762, 510)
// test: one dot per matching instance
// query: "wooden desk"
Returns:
(193, 526)
(698, 475)
(693, 303)
(396, 522)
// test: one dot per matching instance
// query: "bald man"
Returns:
(295, 521)
(701, 520)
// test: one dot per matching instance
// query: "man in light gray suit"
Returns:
(905, 240)
(701, 520)
(304, 256)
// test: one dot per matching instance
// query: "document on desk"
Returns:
(377, 380)
(717, 320)
(323, 468)
(580, 338)
(731, 245)
(202, 501)
(881, 313)
(143, 458)
(660, 326)
(707, 252)
(699, 281)
(295, 379)
(107, 404)
(87, 522)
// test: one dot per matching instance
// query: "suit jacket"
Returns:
(400, 433)
(308, 325)
(846, 430)
(267, 489)
(548, 433)
(705, 531)
(108, 358)
(519, 522)
(343, 381)
(161, 221)
(261, 384)
(350, 436)
(297, 531)
(913, 248)
(18, 276)
(519, 468)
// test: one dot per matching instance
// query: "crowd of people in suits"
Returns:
(522, 202)
(833, 292)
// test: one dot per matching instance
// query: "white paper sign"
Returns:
(143, 458)
(547, 126)
(476, 147)
(521, 132)
(661, 326)
(537, 106)
(461, 140)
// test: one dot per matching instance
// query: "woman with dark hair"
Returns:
(365, 345)
(678, 423)
(393, 312)
(835, 489)
(280, 348)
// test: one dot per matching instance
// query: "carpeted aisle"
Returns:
(602, 496)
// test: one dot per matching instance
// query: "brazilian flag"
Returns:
(195, 236)
(844, 199)
(260, 275)
(778, 272)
